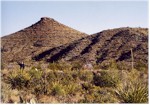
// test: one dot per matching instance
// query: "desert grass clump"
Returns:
(19, 79)
(72, 89)
(57, 89)
(106, 79)
(133, 93)
(35, 72)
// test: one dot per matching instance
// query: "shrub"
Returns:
(19, 80)
(133, 93)
(72, 89)
(35, 73)
(106, 79)
(67, 79)
(57, 89)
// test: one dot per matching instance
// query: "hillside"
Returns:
(63, 65)
(113, 44)
(45, 34)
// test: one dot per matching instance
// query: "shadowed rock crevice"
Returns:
(124, 56)
(44, 54)
(89, 47)
(62, 53)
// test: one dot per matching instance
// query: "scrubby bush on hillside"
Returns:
(133, 93)
(19, 80)
(35, 73)
(106, 79)
(57, 89)
(82, 86)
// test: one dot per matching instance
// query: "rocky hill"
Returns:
(113, 44)
(45, 34)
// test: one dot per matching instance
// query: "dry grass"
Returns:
(74, 86)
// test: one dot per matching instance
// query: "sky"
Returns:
(86, 16)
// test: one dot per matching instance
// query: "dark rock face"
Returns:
(102, 47)
(45, 34)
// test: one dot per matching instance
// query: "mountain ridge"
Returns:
(104, 46)
(44, 34)
(50, 41)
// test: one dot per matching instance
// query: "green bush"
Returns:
(106, 79)
(133, 93)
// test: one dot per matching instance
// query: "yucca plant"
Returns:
(18, 79)
(133, 93)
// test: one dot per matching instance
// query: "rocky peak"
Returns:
(46, 19)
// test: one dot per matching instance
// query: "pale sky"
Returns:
(86, 16)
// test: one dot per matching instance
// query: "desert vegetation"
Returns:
(67, 83)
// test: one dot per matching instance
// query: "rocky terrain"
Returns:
(113, 44)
